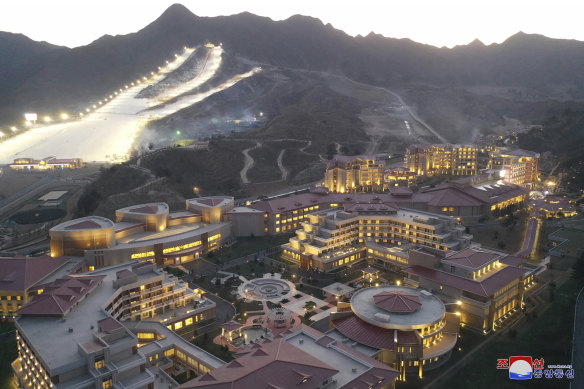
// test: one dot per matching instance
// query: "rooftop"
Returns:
(212, 201)
(472, 258)
(402, 300)
(21, 273)
(149, 209)
(84, 223)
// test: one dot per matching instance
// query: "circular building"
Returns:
(75, 236)
(406, 328)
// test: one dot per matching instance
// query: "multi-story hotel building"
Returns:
(147, 232)
(21, 278)
(334, 238)
(408, 329)
(68, 338)
(48, 163)
(488, 285)
(351, 174)
(398, 176)
(456, 160)
(519, 167)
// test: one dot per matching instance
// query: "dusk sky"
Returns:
(441, 23)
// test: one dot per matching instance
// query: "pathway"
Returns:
(281, 165)
(248, 163)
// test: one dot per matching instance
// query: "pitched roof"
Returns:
(485, 287)
(397, 302)
(277, 364)
(472, 258)
(84, 225)
(21, 273)
(60, 295)
(362, 332)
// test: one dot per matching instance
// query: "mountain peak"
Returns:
(177, 12)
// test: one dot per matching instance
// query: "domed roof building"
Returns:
(406, 328)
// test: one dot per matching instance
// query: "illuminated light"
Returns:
(13, 129)
(144, 78)
(457, 313)
(398, 283)
(110, 96)
(131, 84)
(152, 73)
(1, 134)
(47, 119)
(64, 116)
(178, 132)
(126, 86)
(458, 302)
(86, 109)
(94, 106)
(81, 114)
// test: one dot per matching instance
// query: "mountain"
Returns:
(38, 76)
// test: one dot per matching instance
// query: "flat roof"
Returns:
(430, 311)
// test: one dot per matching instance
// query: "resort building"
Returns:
(519, 167)
(437, 159)
(354, 174)
(488, 285)
(408, 329)
(21, 278)
(284, 214)
(148, 232)
(553, 206)
(398, 176)
(48, 163)
(305, 359)
(67, 336)
(333, 238)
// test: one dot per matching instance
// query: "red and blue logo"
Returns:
(521, 367)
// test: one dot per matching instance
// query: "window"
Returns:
(142, 287)
(189, 321)
(107, 383)
(178, 325)
(99, 362)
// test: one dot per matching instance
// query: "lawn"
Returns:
(246, 246)
(548, 336)
(205, 342)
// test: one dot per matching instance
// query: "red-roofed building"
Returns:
(307, 359)
(488, 285)
(408, 329)
(21, 279)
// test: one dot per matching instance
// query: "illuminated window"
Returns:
(169, 353)
(169, 326)
(107, 383)
(91, 268)
(189, 321)
(145, 335)
(445, 209)
(40, 291)
(142, 287)
(178, 325)
(99, 363)
(277, 229)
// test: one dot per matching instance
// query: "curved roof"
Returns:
(411, 308)
(146, 209)
(84, 223)
(212, 201)
(397, 302)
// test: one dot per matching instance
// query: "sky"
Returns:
(448, 23)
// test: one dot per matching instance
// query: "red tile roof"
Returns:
(487, 287)
(150, 209)
(397, 302)
(62, 294)
(362, 332)
(84, 225)
(21, 273)
(210, 202)
(278, 364)
(231, 325)
(471, 257)
(109, 325)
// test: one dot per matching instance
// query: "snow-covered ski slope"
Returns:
(107, 133)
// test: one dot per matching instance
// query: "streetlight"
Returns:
(64, 116)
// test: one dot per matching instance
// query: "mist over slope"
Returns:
(460, 90)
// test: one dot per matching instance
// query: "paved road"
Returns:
(578, 344)
(529, 241)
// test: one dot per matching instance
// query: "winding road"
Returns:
(248, 163)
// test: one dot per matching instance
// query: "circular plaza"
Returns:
(266, 289)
